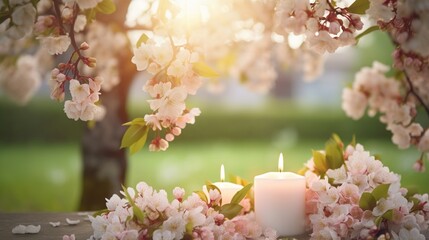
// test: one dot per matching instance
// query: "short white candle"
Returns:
(280, 201)
(227, 189)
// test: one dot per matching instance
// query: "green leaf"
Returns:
(142, 39)
(132, 135)
(388, 215)
(135, 147)
(359, 6)
(241, 194)
(106, 7)
(411, 191)
(138, 213)
(100, 212)
(416, 204)
(367, 31)
(90, 15)
(381, 191)
(204, 70)
(230, 210)
(353, 142)
(135, 121)
(320, 162)
(202, 196)
(378, 221)
(367, 201)
(334, 154)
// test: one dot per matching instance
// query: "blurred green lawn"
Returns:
(46, 177)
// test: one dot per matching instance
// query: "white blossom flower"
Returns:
(72, 110)
(163, 235)
(23, 18)
(176, 225)
(141, 57)
(382, 206)
(323, 42)
(55, 45)
(80, 23)
(354, 103)
(163, 54)
(378, 11)
(21, 82)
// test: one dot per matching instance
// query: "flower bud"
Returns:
(176, 131)
(84, 46)
(169, 137)
(91, 62)
(163, 145)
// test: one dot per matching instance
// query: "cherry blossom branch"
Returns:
(412, 91)
(58, 16)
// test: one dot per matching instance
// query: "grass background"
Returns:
(40, 158)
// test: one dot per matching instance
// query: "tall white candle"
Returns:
(227, 189)
(280, 201)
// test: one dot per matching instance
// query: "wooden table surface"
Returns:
(8, 221)
(82, 231)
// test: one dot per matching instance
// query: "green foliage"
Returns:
(202, 196)
(367, 201)
(100, 212)
(106, 7)
(332, 158)
(90, 14)
(388, 215)
(381, 191)
(320, 162)
(367, 31)
(359, 6)
(204, 70)
(136, 135)
(138, 213)
(142, 39)
(334, 153)
(241, 194)
(230, 210)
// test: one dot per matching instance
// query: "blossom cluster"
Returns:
(172, 81)
(362, 199)
(20, 20)
(380, 94)
(397, 98)
(145, 213)
(55, 28)
(325, 26)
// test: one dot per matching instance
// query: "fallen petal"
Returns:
(67, 237)
(55, 224)
(20, 229)
(72, 222)
(33, 229)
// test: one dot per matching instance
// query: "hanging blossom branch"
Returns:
(411, 90)
(405, 24)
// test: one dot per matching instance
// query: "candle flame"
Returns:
(222, 173)
(281, 162)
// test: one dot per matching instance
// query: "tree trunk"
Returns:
(104, 163)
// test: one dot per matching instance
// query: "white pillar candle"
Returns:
(227, 189)
(280, 201)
